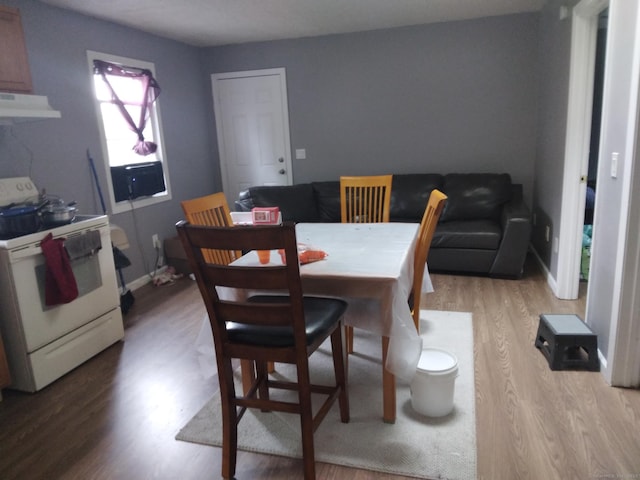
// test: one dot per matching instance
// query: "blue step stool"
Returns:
(567, 342)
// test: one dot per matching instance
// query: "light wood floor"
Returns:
(115, 417)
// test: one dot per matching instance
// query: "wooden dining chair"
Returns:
(435, 205)
(212, 210)
(365, 199)
(275, 327)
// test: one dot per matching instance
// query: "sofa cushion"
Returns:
(296, 202)
(475, 195)
(410, 194)
(327, 196)
(468, 234)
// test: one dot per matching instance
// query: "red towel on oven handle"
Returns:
(60, 283)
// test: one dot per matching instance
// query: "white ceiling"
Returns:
(222, 22)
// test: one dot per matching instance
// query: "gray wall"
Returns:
(53, 152)
(449, 97)
(554, 55)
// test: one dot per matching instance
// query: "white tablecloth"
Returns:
(371, 266)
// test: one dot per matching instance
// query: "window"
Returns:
(135, 163)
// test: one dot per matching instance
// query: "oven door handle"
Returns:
(25, 252)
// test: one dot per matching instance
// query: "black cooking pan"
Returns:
(20, 220)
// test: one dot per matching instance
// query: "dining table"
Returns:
(370, 265)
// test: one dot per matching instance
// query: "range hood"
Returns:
(15, 107)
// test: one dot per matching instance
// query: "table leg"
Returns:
(345, 353)
(388, 387)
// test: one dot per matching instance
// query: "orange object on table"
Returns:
(264, 256)
(306, 254)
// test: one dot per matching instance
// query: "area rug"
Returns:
(416, 445)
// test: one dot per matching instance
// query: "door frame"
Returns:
(584, 32)
(622, 367)
(282, 76)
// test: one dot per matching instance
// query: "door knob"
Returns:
(282, 171)
(281, 160)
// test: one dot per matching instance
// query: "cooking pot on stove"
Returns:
(58, 212)
(20, 220)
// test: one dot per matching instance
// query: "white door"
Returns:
(252, 124)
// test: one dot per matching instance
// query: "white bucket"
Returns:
(433, 384)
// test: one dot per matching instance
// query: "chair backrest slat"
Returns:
(365, 199)
(247, 277)
(253, 313)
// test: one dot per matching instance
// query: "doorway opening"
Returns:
(584, 30)
(594, 144)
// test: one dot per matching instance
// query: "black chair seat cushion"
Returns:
(321, 314)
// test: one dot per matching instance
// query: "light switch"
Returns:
(301, 154)
(614, 165)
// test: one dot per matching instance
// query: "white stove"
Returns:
(79, 223)
(44, 342)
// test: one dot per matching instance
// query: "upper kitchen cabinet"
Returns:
(15, 75)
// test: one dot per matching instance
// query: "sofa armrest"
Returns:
(244, 203)
(515, 220)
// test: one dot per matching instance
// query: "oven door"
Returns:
(97, 292)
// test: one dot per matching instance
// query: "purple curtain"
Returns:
(151, 91)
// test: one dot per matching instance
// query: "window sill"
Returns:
(127, 206)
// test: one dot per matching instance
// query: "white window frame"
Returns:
(155, 123)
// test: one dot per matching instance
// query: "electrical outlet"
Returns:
(156, 241)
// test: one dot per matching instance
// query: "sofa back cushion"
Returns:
(474, 196)
(410, 194)
(327, 195)
(296, 202)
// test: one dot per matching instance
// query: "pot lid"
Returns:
(59, 208)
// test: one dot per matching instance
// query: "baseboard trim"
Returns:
(551, 281)
(142, 281)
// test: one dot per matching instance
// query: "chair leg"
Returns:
(248, 373)
(263, 387)
(229, 422)
(339, 367)
(306, 422)
(348, 330)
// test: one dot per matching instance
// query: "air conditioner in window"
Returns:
(137, 180)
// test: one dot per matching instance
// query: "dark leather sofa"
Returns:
(484, 229)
